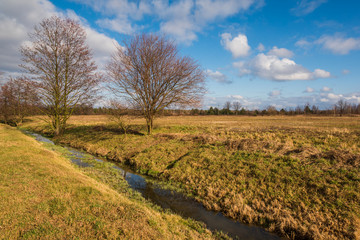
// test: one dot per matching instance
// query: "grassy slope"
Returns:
(299, 176)
(42, 195)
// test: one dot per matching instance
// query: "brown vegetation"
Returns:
(298, 176)
(18, 99)
(44, 196)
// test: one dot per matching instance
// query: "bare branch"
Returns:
(149, 73)
(62, 64)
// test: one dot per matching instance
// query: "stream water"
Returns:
(175, 201)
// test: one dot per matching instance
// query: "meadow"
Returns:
(44, 196)
(297, 176)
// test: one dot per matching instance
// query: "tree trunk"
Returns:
(149, 122)
(57, 126)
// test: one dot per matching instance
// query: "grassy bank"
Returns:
(298, 176)
(44, 196)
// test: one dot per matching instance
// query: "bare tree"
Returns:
(61, 63)
(236, 107)
(226, 109)
(118, 113)
(341, 106)
(18, 98)
(150, 74)
(6, 99)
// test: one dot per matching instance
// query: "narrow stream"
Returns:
(177, 202)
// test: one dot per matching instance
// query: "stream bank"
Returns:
(168, 199)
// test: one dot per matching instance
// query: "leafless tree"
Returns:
(341, 106)
(5, 103)
(150, 74)
(18, 98)
(118, 113)
(236, 107)
(61, 63)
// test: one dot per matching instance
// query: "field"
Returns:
(44, 196)
(296, 176)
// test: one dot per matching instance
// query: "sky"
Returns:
(261, 53)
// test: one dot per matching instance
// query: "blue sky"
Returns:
(267, 52)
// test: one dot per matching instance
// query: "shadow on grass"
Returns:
(104, 131)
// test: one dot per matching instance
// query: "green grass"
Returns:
(297, 176)
(44, 196)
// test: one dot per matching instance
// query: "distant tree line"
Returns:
(342, 107)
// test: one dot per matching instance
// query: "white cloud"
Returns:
(208, 10)
(18, 18)
(333, 96)
(102, 46)
(238, 97)
(303, 43)
(238, 46)
(338, 44)
(119, 25)
(274, 93)
(261, 47)
(177, 19)
(309, 90)
(319, 73)
(217, 76)
(182, 29)
(242, 68)
(305, 7)
(324, 100)
(281, 52)
(183, 19)
(352, 98)
(326, 89)
(273, 68)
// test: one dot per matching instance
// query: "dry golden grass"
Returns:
(298, 176)
(43, 196)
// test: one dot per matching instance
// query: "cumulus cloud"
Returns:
(238, 46)
(279, 69)
(338, 44)
(281, 52)
(18, 18)
(319, 73)
(305, 7)
(309, 90)
(217, 76)
(181, 19)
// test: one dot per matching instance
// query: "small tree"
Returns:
(117, 113)
(341, 106)
(150, 74)
(236, 107)
(18, 98)
(226, 109)
(61, 63)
